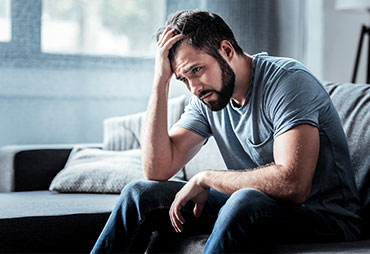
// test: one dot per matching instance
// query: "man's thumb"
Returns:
(198, 208)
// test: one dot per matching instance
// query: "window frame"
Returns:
(24, 48)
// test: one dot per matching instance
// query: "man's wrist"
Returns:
(161, 82)
(202, 178)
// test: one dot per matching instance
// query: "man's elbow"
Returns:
(299, 194)
(151, 173)
(153, 177)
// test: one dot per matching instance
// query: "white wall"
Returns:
(331, 41)
(61, 105)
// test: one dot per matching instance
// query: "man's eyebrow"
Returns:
(187, 70)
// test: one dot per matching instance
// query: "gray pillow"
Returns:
(94, 170)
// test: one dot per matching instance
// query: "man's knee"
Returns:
(149, 192)
(247, 204)
(137, 187)
(250, 196)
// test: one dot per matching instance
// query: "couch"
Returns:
(39, 213)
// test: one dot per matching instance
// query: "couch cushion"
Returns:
(123, 133)
(20, 163)
(352, 102)
(195, 244)
(48, 203)
(44, 221)
(95, 170)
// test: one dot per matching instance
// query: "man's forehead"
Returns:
(186, 55)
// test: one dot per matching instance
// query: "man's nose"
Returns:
(195, 87)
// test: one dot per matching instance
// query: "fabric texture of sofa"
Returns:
(36, 219)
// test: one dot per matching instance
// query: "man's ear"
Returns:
(226, 50)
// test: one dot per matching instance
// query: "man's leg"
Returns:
(250, 220)
(143, 207)
(127, 223)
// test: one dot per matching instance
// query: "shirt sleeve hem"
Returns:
(191, 128)
(294, 124)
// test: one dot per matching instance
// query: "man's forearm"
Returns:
(274, 180)
(156, 144)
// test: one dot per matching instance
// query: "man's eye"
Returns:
(183, 79)
(195, 70)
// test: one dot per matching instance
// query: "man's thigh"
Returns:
(153, 199)
(251, 219)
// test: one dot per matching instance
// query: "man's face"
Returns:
(211, 79)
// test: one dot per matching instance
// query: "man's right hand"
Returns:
(163, 70)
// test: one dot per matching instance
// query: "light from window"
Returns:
(5, 26)
(101, 27)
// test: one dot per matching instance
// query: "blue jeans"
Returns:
(248, 220)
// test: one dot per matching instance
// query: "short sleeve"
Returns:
(297, 99)
(194, 119)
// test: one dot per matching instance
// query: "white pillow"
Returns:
(94, 170)
(123, 132)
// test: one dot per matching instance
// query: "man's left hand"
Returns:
(194, 191)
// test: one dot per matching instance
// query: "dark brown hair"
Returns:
(203, 30)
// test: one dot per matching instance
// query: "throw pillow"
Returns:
(123, 133)
(94, 170)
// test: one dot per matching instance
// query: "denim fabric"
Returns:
(142, 208)
(246, 220)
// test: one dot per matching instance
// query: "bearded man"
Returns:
(289, 176)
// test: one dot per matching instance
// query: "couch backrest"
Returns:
(352, 102)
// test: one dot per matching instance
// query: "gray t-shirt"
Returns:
(283, 94)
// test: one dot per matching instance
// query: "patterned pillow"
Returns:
(94, 170)
(123, 132)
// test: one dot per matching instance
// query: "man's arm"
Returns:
(289, 178)
(163, 153)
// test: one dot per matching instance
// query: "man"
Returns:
(290, 175)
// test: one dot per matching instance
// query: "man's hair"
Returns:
(203, 30)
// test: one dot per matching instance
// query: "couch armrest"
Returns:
(31, 167)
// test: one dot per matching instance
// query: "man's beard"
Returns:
(228, 83)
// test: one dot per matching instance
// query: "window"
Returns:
(101, 27)
(5, 25)
(83, 33)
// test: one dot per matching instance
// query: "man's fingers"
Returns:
(170, 42)
(176, 218)
(165, 32)
(178, 215)
(176, 224)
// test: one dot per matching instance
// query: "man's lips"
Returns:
(206, 96)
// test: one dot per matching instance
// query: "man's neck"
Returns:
(242, 69)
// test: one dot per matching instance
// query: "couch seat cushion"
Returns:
(47, 203)
(44, 221)
(194, 244)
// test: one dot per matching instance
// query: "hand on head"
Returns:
(163, 71)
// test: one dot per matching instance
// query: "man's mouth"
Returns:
(205, 96)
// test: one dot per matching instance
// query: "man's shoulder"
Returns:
(272, 64)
